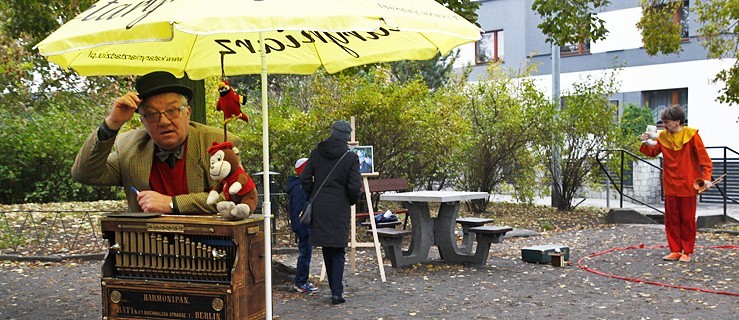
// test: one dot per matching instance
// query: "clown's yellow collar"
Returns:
(677, 140)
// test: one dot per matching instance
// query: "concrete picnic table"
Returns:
(439, 230)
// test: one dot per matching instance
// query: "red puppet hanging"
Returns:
(230, 103)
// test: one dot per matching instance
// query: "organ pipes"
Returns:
(171, 257)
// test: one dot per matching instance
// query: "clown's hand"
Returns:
(648, 140)
(707, 184)
(644, 137)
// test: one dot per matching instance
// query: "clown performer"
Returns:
(685, 160)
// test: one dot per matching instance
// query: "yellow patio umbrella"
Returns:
(300, 36)
(134, 37)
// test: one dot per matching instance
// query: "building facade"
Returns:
(511, 35)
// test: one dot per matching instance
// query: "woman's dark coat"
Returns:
(332, 206)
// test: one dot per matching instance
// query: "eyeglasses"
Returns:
(171, 114)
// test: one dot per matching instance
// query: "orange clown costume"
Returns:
(685, 159)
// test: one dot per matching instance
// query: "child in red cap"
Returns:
(297, 199)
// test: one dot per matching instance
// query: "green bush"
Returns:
(506, 116)
(471, 136)
(37, 149)
(412, 128)
(634, 122)
(585, 125)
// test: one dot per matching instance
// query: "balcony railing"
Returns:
(623, 155)
(728, 188)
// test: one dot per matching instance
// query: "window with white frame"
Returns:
(489, 47)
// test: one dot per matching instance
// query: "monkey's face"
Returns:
(220, 167)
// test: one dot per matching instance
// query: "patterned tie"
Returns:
(171, 160)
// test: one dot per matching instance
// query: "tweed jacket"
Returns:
(130, 164)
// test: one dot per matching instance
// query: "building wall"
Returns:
(716, 121)
(524, 43)
(508, 15)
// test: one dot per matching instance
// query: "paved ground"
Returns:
(508, 288)
(504, 288)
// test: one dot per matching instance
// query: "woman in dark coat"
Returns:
(332, 205)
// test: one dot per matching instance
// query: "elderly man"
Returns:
(163, 167)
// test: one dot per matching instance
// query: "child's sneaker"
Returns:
(306, 288)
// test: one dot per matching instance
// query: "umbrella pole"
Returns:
(266, 206)
(223, 78)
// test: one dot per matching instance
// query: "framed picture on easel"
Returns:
(366, 158)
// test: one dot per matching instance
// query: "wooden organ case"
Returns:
(183, 267)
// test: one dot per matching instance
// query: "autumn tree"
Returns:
(585, 125)
(45, 112)
(23, 24)
(571, 21)
(566, 22)
(506, 116)
(575, 21)
(412, 128)
(719, 34)
(435, 72)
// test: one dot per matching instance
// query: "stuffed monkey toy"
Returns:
(235, 184)
(230, 103)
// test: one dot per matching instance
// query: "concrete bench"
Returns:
(473, 221)
(492, 234)
(377, 186)
(485, 236)
(467, 238)
(385, 224)
(391, 240)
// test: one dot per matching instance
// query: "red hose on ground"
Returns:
(641, 246)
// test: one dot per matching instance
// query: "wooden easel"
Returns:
(353, 244)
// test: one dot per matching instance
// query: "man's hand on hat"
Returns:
(123, 109)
